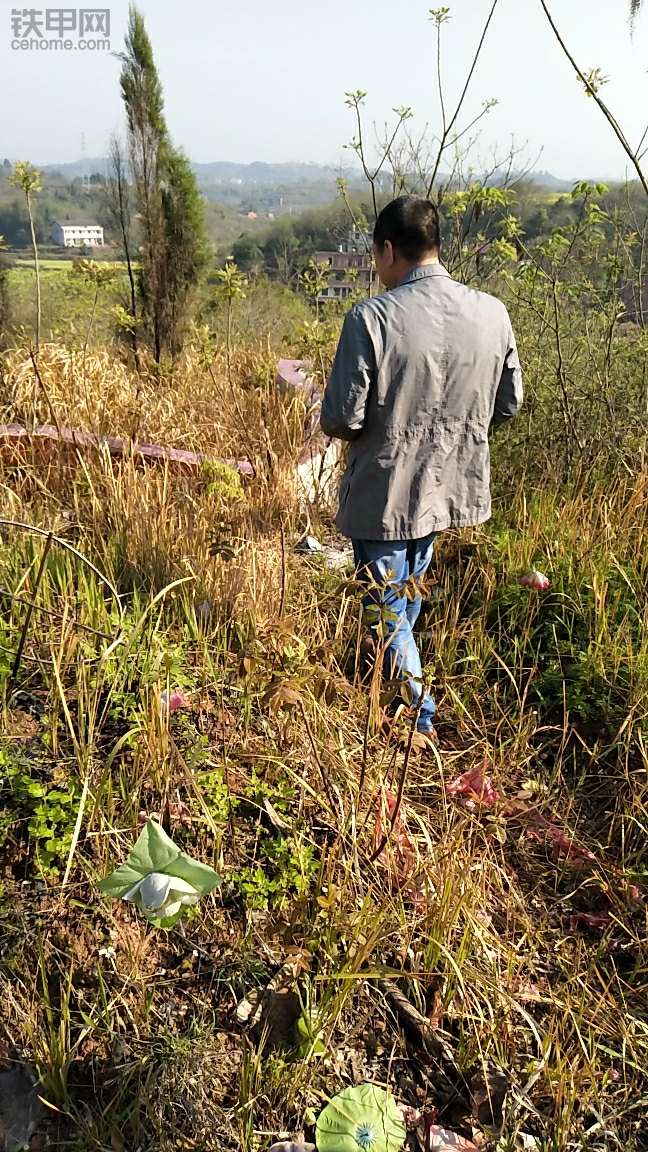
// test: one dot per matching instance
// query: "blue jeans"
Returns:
(393, 562)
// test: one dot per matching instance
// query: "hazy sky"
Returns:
(265, 79)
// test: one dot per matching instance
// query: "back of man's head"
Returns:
(412, 227)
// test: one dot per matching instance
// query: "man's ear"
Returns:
(388, 253)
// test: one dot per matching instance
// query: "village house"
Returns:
(76, 234)
(349, 266)
(634, 297)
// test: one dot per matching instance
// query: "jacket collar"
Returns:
(422, 272)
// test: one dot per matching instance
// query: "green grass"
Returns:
(67, 301)
(48, 264)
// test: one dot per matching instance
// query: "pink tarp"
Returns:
(14, 439)
(296, 377)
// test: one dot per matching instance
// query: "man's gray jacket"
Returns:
(421, 373)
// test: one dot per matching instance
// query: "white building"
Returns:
(76, 234)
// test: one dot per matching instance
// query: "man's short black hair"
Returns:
(412, 226)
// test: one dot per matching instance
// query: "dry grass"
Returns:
(141, 1046)
(189, 405)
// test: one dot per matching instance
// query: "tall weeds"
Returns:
(548, 689)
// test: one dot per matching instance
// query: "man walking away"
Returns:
(421, 373)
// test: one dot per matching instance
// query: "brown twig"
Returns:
(282, 600)
(30, 609)
(591, 91)
(52, 412)
(323, 773)
(401, 782)
(419, 1028)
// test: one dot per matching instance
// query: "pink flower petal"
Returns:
(443, 1140)
(410, 1116)
(475, 786)
(534, 579)
(177, 699)
(598, 920)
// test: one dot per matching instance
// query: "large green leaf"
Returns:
(201, 876)
(360, 1119)
(153, 851)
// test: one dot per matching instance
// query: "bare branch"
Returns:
(447, 128)
(592, 90)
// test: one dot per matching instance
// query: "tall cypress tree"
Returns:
(174, 249)
(185, 240)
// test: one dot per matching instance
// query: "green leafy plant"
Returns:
(364, 1117)
(287, 866)
(221, 800)
(174, 251)
(159, 878)
(50, 809)
(223, 482)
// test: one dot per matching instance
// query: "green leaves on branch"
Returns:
(314, 279)
(592, 81)
(28, 180)
(25, 177)
(440, 16)
(354, 99)
(94, 272)
(501, 250)
(232, 283)
(125, 321)
(586, 189)
(477, 197)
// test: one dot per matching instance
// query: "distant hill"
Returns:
(226, 172)
(552, 183)
(260, 173)
(87, 167)
(291, 172)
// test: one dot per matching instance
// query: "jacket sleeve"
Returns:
(508, 399)
(347, 393)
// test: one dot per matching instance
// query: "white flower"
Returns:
(159, 896)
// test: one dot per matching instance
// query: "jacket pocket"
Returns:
(346, 483)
